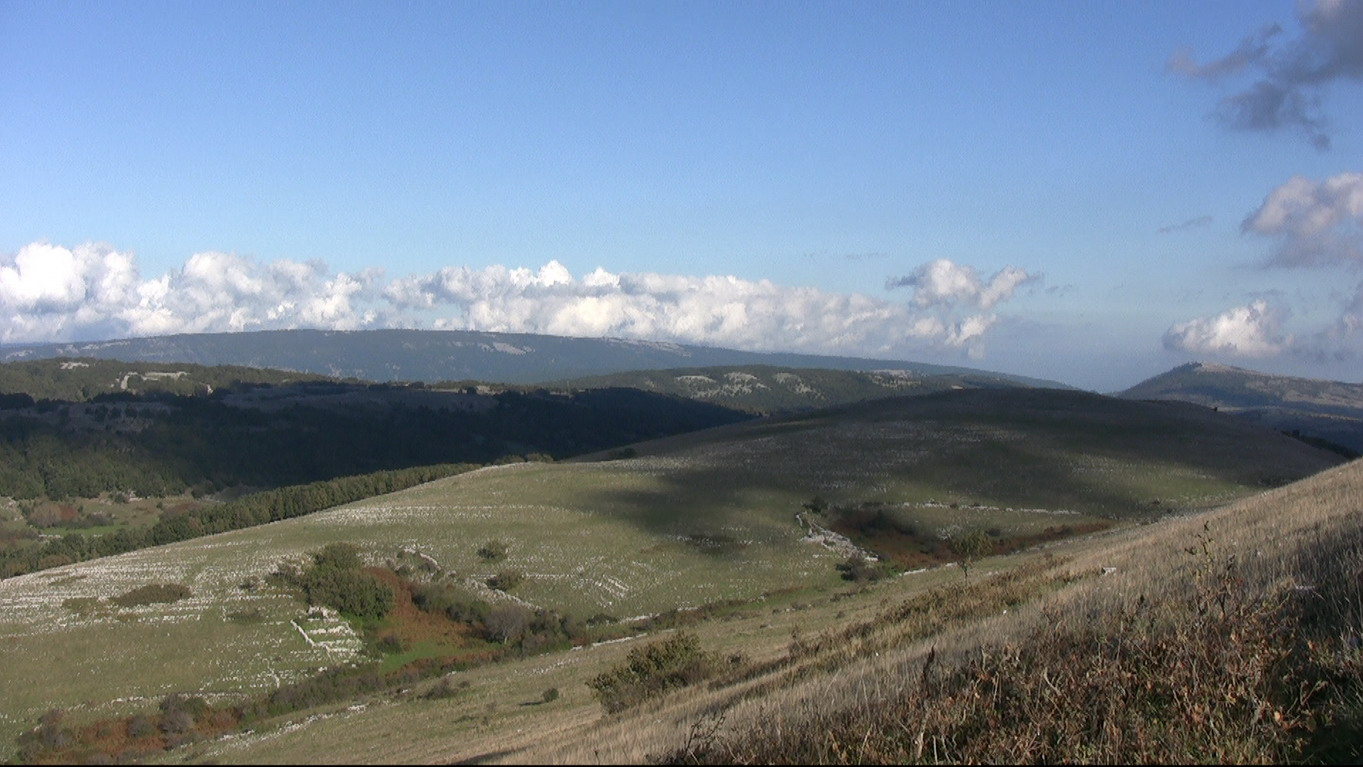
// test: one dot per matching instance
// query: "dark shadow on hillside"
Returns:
(1041, 449)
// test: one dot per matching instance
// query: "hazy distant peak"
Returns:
(1331, 410)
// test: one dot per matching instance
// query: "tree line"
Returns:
(162, 444)
(256, 509)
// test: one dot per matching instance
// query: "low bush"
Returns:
(652, 670)
(153, 593)
(454, 602)
(858, 569)
(506, 580)
(493, 551)
(141, 726)
(391, 643)
(445, 689)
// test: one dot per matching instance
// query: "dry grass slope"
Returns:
(1233, 635)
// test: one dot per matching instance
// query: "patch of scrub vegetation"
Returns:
(153, 594)
(652, 670)
(413, 630)
(335, 579)
(493, 551)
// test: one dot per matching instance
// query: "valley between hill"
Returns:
(618, 545)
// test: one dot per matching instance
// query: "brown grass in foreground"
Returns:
(1231, 636)
(1223, 676)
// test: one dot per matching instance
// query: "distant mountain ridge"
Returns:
(1330, 410)
(452, 355)
(767, 389)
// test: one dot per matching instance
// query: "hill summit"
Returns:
(1329, 410)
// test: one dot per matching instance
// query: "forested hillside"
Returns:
(159, 444)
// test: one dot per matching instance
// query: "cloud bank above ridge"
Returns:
(93, 291)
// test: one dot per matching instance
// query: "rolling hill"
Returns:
(768, 389)
(81, 427)
(722, 517)
(440, 355)
(1330, 410)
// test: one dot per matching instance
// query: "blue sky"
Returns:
(1093, 192)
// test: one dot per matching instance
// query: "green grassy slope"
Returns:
(689, 520)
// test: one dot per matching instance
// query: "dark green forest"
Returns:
(161, 444)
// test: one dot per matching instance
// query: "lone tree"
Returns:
(969, 547)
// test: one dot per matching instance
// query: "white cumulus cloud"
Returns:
(47, 290)
(50, 292)
(1317, 222)
(944, 282)
(53, 293)
(1253, 330)
(710, 310)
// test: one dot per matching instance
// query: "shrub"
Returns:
(176, 722)
(153, 593)
(508, 623)
(352, 592)
(341, 556)
(859, 569)
(550, 695)
(254, 615)
(652, 670)
(192, 706)
(493, 551)
(445, 689)
(141, 727)
(506, 580)
(335, 579)
(50, 729)
(454, 602)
